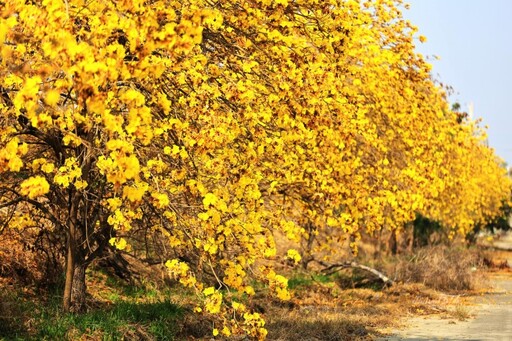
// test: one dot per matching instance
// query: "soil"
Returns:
(490, 315)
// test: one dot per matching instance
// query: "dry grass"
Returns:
(441, 268)
(339, 310)
(324, 311)
(317, 325)
(497, 260)
(461, 312)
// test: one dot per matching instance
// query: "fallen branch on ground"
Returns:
(332, 268)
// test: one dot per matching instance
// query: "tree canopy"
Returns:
(219, 124)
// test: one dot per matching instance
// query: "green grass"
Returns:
(305, 280)
(123, 319)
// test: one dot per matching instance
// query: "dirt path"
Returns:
(492, 321)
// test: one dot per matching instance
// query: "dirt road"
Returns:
(492, 321)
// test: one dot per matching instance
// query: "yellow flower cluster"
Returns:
(182, 272)
(34, 187)
(11, 155)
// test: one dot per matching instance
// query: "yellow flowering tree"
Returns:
(85, 122)
(221, 124)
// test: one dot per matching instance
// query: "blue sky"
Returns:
(473, 38)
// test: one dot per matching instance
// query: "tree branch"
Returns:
(332, 268)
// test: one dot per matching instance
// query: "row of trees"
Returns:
(221, 124)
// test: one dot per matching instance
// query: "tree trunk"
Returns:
(393, 243)
(75, 287)
(79, 289)
(410, 240)
(70, 266)
(378, 249)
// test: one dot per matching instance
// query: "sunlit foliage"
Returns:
(222, 123)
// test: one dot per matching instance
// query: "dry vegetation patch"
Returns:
(441, 267)
(354, 305)
(325, 311)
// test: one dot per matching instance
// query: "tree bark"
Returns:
(79, 289)
(75, 287)
(410, 240)
(393, 243)
(70, 266)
